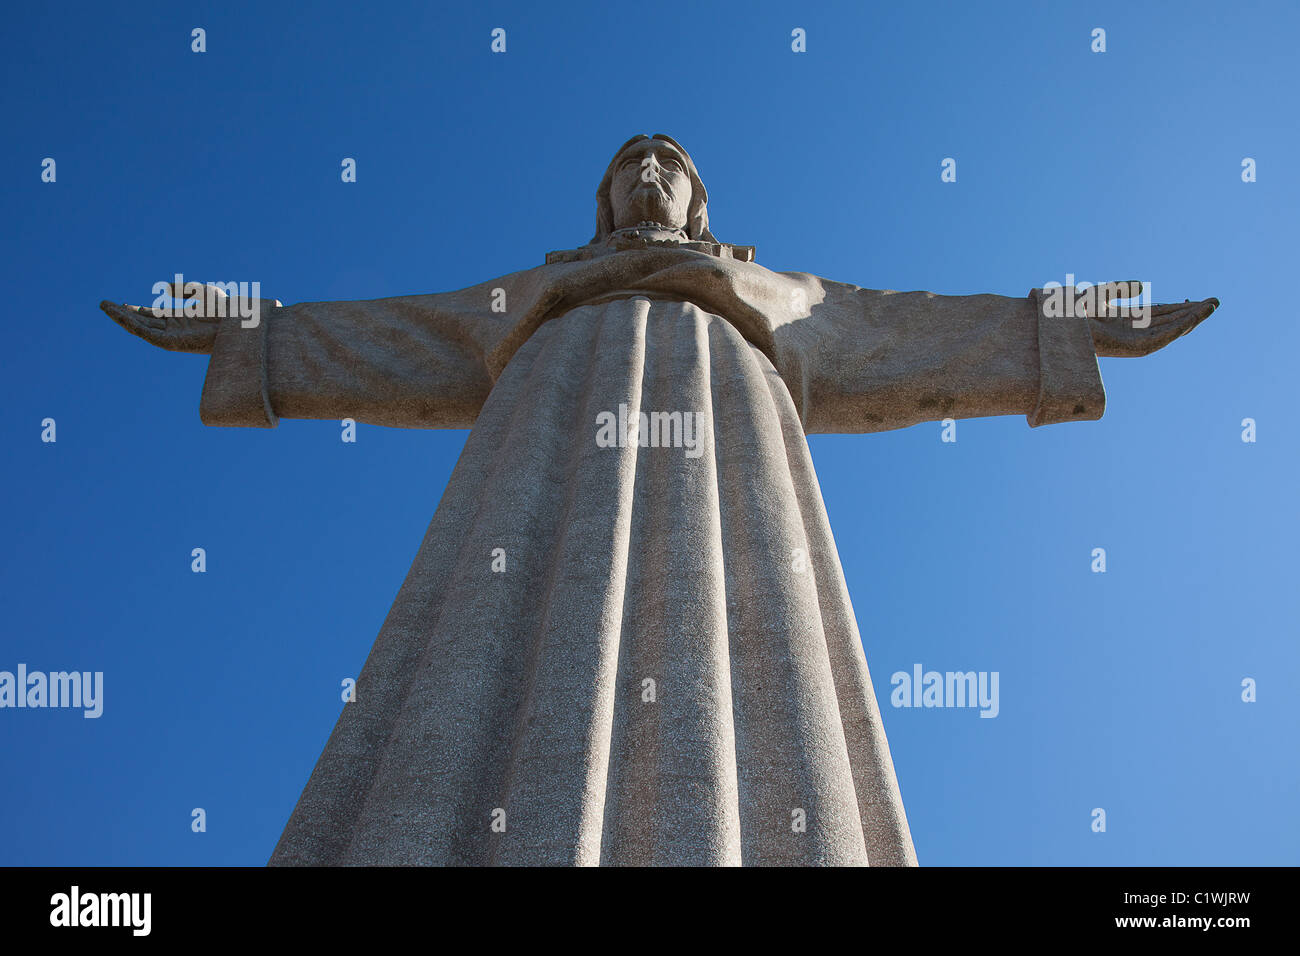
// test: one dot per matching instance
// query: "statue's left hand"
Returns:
(1120, 334)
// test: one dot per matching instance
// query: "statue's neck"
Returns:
(651, 231)
(650, 235)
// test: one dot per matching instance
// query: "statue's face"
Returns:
(650, 184)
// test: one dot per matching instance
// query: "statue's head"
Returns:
(652, 179)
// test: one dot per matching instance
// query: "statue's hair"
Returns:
(697, 213)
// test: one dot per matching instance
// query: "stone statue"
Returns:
(626, 637)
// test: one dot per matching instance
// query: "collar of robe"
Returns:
(649, 235)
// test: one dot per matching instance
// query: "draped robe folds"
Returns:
(508, 716)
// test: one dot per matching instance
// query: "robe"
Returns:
(629, 652)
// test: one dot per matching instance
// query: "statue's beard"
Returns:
(652, 206)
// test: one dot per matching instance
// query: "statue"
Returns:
(626, 637)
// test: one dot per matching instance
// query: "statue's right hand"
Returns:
(175, 331)
(165, 328)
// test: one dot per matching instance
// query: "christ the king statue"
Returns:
(630, 641)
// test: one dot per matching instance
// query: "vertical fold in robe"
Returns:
(798, 804)
(672, 784)
(553, 789)
(880, 804)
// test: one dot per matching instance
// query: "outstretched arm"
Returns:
(411, 361)
(867, 360)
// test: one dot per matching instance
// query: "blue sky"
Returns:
(1119, 690)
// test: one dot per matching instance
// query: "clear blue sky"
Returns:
(1118, 690)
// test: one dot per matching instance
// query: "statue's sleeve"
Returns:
(408, 362)
(865, 360)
